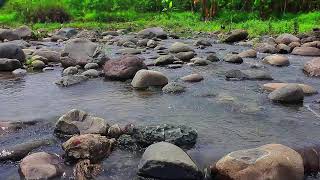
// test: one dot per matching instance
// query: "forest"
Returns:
(271, 16)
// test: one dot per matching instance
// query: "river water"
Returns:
(228, 115)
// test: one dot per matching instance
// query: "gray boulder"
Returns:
(9, 64)
(173, 87)
(66, 33)
(291, 93)
(66, 81)
(91, 73)
(164, 60)
(51, 56)
(179, 47)
(236, 35)
(251, 74)
(70, 71)
(8, 34)
(232, 58)
(287, 39)
(24, 32)
(80, 122)
(152, 32)
(266, 48)
(202, 42)
(185, 56)
(213, 57)
(166, 161)
(12, 51)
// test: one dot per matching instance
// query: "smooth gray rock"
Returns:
(146, 78)
(8, 34)
(291, 93)
(167, 161)
(236, 35)
(185, 56)
(250, 74)
(19, 72)
(173, 87)
(179, 47)
(24, 32)
(70, 71)
(9, 64)
(232, 58)
(153, 32)
(12, 51)
(51, 56)
(213, 57)
(91, 73)
(164, 60)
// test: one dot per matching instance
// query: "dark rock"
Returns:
(153, 32)
(266, 48)
(213, 57)
(231, 58)
(9, 64)
(24, 32)
(66, 33)
(164, 60)
(288, 94)
(283, 49)
(12, 51)
(252, 74)
(236, 35)
(8, 34)
(185, 56)
(202, 42)
(123, 68)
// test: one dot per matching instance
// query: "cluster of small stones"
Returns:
(91, 139)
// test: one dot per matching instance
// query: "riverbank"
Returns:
(183, 23)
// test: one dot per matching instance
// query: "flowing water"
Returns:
(228, 115)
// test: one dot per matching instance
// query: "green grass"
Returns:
(180, 22)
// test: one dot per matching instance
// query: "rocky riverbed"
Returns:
(205, 96)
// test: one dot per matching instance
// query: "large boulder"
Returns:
(312, 67)
(287, 39)
(123, 68)
(9, 64)
(51, 56)
(146, 78)
(41, 165)
(24, 32)
(180, 47)
(308, 90)
(153, 32)
(166, 161)
(236, 35)
(8, 34)
(70, 80)
(143, 136)
(80, 122)
(272, 161)
(12, 51)
(291, 93)
(88, 146)
(250, 74)
(306, 51)
(276, 60)
(84, 51)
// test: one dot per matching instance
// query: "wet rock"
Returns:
(251, 74)
(9, 64)
(161, 159)
(294, 45)
(24, 32)
(185, 56)
(153, 32)
(164, 60)
(70, 71)
(283, 49)
(40, 58)
(175, 66)
(287, 39)
(200, 62)
(115, 131)
(152, 43)
(306, 51)
(12, 51)
(179, 47)
(308, 90)
(8, 34)
(251, 53)
(312, 67)
(19, 72)
(272, 161)
(315, 44)
(38, 65)
(192, 78)
(85, 170)
(21, 43)
(143, 136)
(66, 81)
(276, 60)
(51, 56)
(123, 68)
(41, 165)
(66, 33)
(236, 35)
(91, 66)
(91, 73)
(287, 94)
(213, 57)
(88, 146)
(130, 51)
(202, 42)
(19, 151)
(80, 122)
(231, 58)
(173, 87)
(143, 43)
(146, 78)
(266, 48)
(84, 51)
